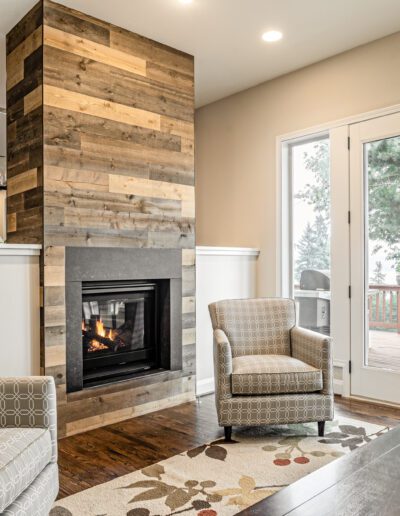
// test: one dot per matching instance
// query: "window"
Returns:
(309, 230)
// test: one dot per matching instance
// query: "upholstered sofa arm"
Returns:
(29, 402)
(316, 350)
(222, 365)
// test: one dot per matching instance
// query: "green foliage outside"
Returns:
(378, 278)
(384, 196)
(383, 207)
(313, 248)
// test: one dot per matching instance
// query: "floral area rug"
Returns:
(222, 478)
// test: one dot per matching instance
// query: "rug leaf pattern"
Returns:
(220, 479)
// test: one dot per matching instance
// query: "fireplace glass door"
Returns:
(119, 328)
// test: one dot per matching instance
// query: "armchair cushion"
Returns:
(24, 453)
(273, 374)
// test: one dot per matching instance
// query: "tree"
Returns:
(316, 193)
(378, 278)
(383, 167)
(384, 196)
(313, 248)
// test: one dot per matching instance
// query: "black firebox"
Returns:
(120, 328)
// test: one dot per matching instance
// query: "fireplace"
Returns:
(120, 329)
(121, 322)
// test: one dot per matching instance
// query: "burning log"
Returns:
(97, 337)
(105, 339)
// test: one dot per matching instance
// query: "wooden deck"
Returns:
(384, 350)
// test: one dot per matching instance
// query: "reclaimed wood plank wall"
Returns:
(25, 130)
(116, 170)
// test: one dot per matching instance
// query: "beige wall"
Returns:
(236, 138)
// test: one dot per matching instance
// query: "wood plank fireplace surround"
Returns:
(101, 173)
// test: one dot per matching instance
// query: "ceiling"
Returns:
(225, 35)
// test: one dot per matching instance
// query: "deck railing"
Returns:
(384, 307)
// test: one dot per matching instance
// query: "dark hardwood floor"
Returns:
(100, 455)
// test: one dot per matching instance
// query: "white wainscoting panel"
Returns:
(221, 273)
(19, 310)
(3, 215)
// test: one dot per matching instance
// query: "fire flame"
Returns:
(100, 330)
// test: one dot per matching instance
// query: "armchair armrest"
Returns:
(316, 350)
(222, 365)
(29, 402)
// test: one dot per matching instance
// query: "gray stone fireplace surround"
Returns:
(84, 264)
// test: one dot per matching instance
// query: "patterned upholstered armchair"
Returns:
(267, 369)
(28, 446)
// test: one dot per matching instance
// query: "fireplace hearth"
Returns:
(122, 323)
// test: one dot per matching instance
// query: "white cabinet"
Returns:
(221, 273)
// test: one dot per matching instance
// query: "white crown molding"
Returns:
(227, 251)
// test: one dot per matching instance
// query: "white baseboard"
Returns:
(341, 381)
(338, 387)
(205, 386)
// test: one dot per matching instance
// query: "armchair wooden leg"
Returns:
(228, 433)
(321, 428)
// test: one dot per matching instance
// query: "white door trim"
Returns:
(340, 251)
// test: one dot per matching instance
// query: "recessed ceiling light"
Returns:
(186, 1)
(272, 35)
